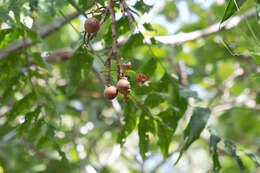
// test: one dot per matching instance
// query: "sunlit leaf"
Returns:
(145, 126)
(196, 125)
(231, 146)
(253, 157)
(130, 122)
(214, 140)
(232, 7)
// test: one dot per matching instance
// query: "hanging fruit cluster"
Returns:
(92, 26)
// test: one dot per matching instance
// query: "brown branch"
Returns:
(126, 9)
(43, 33)
(108, 64)
(182, 73)
(104, 16)
(114, 35)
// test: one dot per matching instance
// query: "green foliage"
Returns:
(232, 7)
(232, 149)
(214, 140)
(146, 125)
(78, 67)
(21, 106)
(193, 130)
(142, 7)
(130, 122)
(54, 117)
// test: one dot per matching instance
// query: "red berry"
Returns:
(110, 92)
(92, 25)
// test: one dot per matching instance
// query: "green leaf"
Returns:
(33, 35)
(231, 146)
(33, 5)
(145, 125)
(169, 118)
(232, 7)
(22, 106)
(253, 157)
(36, 129)
(28, 119)
(122, 27)
(148, 27)
(164, 139)
(142, 7)
(14, 83)
(258, 9)
(166, 129)
(164, 83)
(75, 5)
(84, 4)
(214, 140)
(78, 67)
(9, 64)
(154, 100)
(256, 57)
(130, 122)
(134, 41)
(3, 33)
(196, 125)
(149, 68)
(4, 16)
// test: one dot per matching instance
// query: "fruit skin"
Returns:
(123, 86)
(110, 92)
(92, 25)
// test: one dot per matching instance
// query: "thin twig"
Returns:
(104, 16)
(114, 35)
(108, 64)
(130, 18)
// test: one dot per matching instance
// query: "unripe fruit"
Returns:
(123, 86)
(92, 25)
(127, 65)
(110, 92)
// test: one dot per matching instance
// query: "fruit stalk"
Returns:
(108, 64)
(114, 35)
(130, 18)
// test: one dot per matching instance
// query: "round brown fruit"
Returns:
(123, 86)
(110, 92)
(92, 25)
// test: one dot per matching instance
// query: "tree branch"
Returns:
(217, 27)
(43, 33)
(227, 106)
(114, 35)
(168, 40)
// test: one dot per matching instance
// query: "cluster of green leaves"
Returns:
(230, 149)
